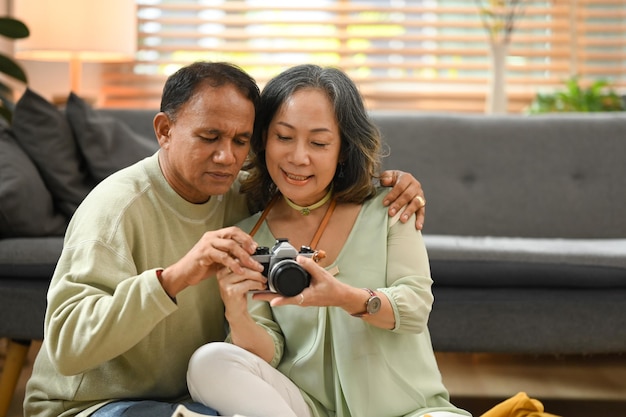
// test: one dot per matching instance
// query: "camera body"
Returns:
(284, 275)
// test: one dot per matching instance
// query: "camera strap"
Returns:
(264, 215)
(320, 228)
(323, 224)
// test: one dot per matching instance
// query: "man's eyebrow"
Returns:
(219, 132)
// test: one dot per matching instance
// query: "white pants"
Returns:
(234, 381)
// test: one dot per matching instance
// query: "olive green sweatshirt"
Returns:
(111, 331)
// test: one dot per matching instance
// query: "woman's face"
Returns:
(302, 147)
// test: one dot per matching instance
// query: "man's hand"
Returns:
(229, 247)
(407, 191)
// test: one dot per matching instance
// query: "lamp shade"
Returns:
(82, 30)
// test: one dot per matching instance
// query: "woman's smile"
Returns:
(296, 179)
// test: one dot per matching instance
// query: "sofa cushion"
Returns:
(23, 307)
(31, 258)
(26, 267)
(26, 207)
(43, 132)
(107, 144)
(553, 321)
(526, 262)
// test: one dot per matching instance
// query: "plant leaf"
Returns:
(7, 102)
(12, 68)
(13, 28)
(597, 97)
(5, 90)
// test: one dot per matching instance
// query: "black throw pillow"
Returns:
(45, 135)
(26, 207)
(106, 143)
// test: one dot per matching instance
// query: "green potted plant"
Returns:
(12, 29)
(598, 97)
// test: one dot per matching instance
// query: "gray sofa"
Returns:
(525, 229)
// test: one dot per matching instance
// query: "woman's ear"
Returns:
(162, 126)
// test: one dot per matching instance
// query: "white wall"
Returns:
(49, 79)
(52, 79)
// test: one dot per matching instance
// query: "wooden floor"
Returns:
(570, 386)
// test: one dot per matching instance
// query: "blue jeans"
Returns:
(148, 408)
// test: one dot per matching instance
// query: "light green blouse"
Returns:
(344, 366)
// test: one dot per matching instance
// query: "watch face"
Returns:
(373, 305)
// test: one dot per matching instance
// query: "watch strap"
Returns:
(365, 312)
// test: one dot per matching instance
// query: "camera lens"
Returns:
(288, 278)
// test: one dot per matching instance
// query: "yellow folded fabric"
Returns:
(519, 405)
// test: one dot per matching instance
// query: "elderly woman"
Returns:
(355, 342)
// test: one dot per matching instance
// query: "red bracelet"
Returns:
(159, 272)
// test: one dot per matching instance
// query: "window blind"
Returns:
(430, 55)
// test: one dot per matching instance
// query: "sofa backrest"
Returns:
(140, 120)
(560, 175)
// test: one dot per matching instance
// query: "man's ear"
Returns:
(162, 126)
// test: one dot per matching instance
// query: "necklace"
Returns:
(305, 211)
(320, 228)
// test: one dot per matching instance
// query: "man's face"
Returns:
(204, 149)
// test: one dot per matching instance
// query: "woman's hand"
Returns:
(244, 331)
(320, 292)
(325, 291)
(407, 191)
(234, 288)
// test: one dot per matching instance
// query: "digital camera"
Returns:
(284, 275)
